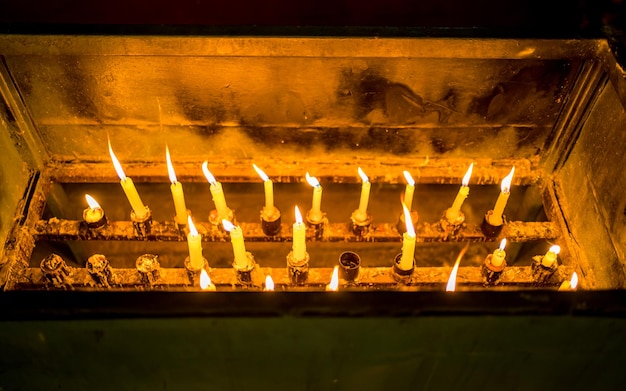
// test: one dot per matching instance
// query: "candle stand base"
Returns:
(56, 271)
(142, 225)
(244, 275)
(149, 269)
(401, 225)
(194, 274)
(317, 223)
(95, 224)
(298, 270)
(400, 275)
(270, 221)
(490, 273)
(349, 266)
(451, 223)
(216, 219)
(360, 225)
(100, 271)
(488, 229)
(540, 273)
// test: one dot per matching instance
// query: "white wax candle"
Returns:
(550, 257)
(239, 248)
(463, 192)
(505, 188)
(176, 189)
(316, 209)
(216, 192)
(365, 193)
(129, 188)
(299, 237)
(194, 242)
(499, 255)
(408, 191)
(408, 242)
(268, 186)
(94, 213)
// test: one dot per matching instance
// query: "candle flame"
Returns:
(207, 173)
(409, 223)
(555, 249)
(334, 280)
(205, 280)
(505, 187)
(573, 283)
(93, 204)
(451, 287)
(298, 215)
(409, 178)
(269, 283)
(192, 228)
(467, 176)
(261, 173)
(312, 180)
(228, 226)
(116, 163)
(364, 177)
(502, 244)
(170, 167)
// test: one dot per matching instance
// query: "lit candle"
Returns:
(408, 242)
(499, 255)
(239, 248)
(269, 283)
(505, 190)
(177, 191)
(94, 213)
(316, 211)
(205, 281)
(269, 188)
(451, 286)
(334, 280)
(463, 192)
(571, 284)
(129, 188)
(299, 237)
(216, 192)
(365, 194)
(550, 257)
(194, 242)
(408, 191)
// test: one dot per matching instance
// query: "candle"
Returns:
(299, 237)
(94, 213)
(269, 283)
(239, 248)
(194, 242)
(408, 191)
(550, 257)
(129, 188)
(177, 191)
(316, 211)
(334, 280)
(505, 188)
(365, 194)
(571, 284)
(205, 281)
(216, 192)
(408, 242)
(463, 193)
(498, 256)
(269, 188)
(451, 286)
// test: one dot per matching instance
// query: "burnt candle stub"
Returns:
(149, 268)
(56, 271)
(349, 265)
(100, 270)
(270, 221)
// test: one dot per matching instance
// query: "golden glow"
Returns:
(298, 216)
(170, 167)
(409, 223)
(192, 228)
(555, 249)
(409, 178)
(269, 283)
(451, 287)
(502, 244)
(228, 226)
(506, 182)
(312, 180)
(205, 280)
(334, 280)
(467, 176)
(116, 164)
(93, 204)
(574, 281)
(207, 173)
(364, 177)
(260, 172)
